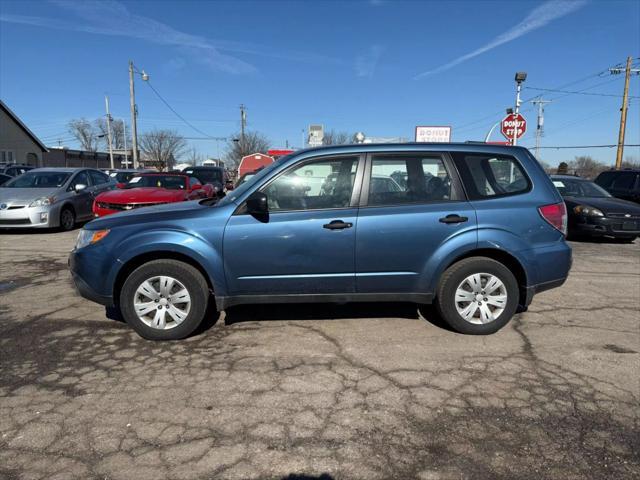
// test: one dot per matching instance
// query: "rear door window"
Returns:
(397, 180)
(489, 176)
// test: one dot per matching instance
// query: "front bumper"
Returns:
(21, 216)
(606, 226)
(85, 272)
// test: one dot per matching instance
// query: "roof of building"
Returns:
(29, 133)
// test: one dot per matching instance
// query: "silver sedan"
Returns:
(51, 197)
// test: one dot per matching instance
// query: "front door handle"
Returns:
(337, 225)
(453, 218)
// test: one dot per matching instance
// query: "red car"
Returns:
(149, 189)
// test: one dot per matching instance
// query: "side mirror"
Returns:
(79, 187)
(257, 204)
(197, 186)
(120, 185)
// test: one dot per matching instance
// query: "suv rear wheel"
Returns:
(164, 299)
(477, 296)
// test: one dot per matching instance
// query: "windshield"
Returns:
(170, 182)
(237, 192)
(122, 177)
(205, 176)
(579, 188)
(38, 180)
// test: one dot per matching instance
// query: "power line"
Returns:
(592, 146)
(176, 113)
(573, 82)
(578, 92)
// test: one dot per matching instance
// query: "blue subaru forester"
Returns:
(476, 229)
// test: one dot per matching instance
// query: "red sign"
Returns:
(513, 122)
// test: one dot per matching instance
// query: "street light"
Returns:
(519, 78)
(134, 110)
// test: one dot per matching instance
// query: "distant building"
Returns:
(66, 157)
(18, 144)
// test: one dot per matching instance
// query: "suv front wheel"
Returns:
(477, 296)
(164, 299)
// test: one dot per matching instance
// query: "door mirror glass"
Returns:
(79, 187)
(257, 204)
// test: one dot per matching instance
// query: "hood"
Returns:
(608, 205)
(159, 213)
(141, 195)
(24, 196)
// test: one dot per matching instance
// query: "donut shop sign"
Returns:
(433, 134)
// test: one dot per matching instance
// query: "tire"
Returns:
(180, 319)
(456, 277)
(627, 239)
(67, 219)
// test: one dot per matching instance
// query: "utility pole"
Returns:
(106, 103)
(625, 105)
(124, 136)
(540, 125)
(243, 123)
(134, 114)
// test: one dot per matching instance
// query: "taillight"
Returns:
(556, 215)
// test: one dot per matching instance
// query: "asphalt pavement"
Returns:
(370, 391)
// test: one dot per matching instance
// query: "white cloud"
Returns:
(109, 17)
(537, 18)
(366, 63)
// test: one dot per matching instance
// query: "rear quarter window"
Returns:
(490, 176)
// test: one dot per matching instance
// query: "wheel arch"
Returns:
(507, 259)
(131, 264)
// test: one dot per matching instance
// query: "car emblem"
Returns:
(626, 214)
(3, 206)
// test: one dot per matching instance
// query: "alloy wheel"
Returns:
(162, 302)
(481, 298)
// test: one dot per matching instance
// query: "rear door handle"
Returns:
(337, 225)
(453, 218)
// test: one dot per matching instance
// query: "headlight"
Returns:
(588, 211)
(42, 201)
(88, 237)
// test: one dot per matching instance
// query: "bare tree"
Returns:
(254, 142)
(162, 147)
(563, 168)
(85, 133)
(337, 138)
(587, 167)
(194, 157)
(117, 133)
(630, 162)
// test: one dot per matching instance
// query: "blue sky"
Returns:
(377, 66)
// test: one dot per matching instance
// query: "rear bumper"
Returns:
(606, 227)
(549, 268)
(541, 287)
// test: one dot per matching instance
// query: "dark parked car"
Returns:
(593, 212)
(208, 176)
(4, 178)
(13, 170)
(623, 184)
(481, 242)
(124, 175)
